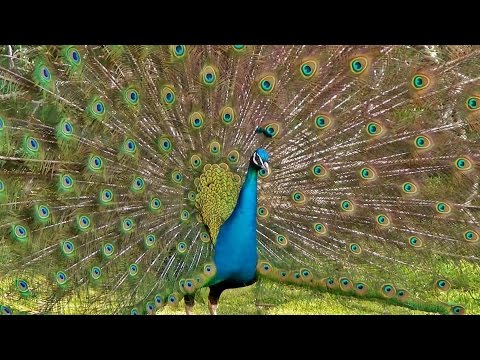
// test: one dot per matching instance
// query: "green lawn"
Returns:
(269, 298)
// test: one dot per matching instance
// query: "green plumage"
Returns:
(119, 165)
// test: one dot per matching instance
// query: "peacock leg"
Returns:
(214, 297)
(189, 303)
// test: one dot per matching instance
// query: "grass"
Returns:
(269, 298)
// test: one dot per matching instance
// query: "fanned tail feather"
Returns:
(373, 190)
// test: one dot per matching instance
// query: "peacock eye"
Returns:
(130, 146)
(137, 185)
(443, 285)
(267, 84)
(156, 203)
(409, 188)
(67, 181)
(132, 96)
(282, 240)
(99, 107)
(196, 120)
(185, 215)
(133, 269)
(209, 75)
(463, 164)
(178, 51)
(158, 300)
(308, 69)
(360, 288)
(355, 248)
(214, 147)
(150, 240)
(271, 130)
(168, 95)
(473, 103)
(458, 310)
(320, 228)
(299, 197)
(345, 283)
(181, 247)
(262, 211)
(95, 163)
(471, 236)
(388, 290)
(46, 73)
(32, 144)
(423, 142)
(61, 278)
(358, 65)
(322, 122)
(177, 177)
(5, 310)
(374, 128)
(20, 233)
(22, 286)
(127, 225)
(227, 115)
(306, 273)
(108, 250)
(164, 144)
(415, 241)
(75, 56)
(195, 161)
(443, 208)
(204, 237)
(84, 222)
(265, 267)
(95, 272)
(420, 82)
(42, 213)
(67, 128)
(367, 173)
(72, 57)
(233, 156)
(347, 205)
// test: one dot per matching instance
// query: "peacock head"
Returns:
(260, 159)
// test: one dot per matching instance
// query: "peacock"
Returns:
(132, 177)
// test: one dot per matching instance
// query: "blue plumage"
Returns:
(235, 254)
(236, 249)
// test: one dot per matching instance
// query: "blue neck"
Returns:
(247, 199)
(236, 247)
